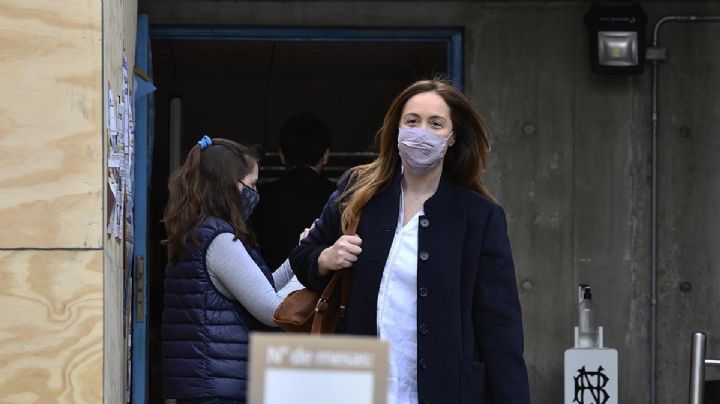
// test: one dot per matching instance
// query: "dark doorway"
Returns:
(245, 88)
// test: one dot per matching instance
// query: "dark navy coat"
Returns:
(470, 338)
(204, 334)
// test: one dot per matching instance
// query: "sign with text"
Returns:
(299, 368)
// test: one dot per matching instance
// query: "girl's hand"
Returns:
(305, 232)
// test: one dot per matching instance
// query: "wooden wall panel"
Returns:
(51, 179)
(51, 330)
(119, 26)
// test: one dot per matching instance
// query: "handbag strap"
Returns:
(324, 302)
(341, 277)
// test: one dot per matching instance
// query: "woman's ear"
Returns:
(451, 140)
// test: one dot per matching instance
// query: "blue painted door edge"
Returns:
(143, 131)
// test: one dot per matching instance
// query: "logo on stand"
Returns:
(590, 387)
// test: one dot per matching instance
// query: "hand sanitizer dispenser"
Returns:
(587, 334)
(591, 370)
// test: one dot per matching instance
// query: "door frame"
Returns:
(452, 36)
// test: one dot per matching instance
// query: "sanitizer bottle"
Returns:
(587, 333)
(591, 369)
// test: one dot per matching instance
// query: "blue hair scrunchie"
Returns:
(204, 142)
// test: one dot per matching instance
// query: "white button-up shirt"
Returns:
(397, 311)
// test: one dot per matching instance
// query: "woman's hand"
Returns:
(342, 254)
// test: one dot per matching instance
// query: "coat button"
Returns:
(424, 222)
(423, 328)
(423, 363)
(423, 291)
(424, 255)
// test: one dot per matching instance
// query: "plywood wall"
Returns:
(119, 30)
(50, 111)
(51, 329)
(51, 204)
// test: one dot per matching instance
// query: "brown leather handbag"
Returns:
(309, 311)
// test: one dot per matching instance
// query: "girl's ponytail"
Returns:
(183, 211)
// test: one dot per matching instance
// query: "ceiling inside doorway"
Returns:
(279, 60)
(245, 90)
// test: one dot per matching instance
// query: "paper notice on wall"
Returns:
(129, 151)
(120, 157)
(129, 229)
(115, 160)
(120, 123)
(111, 117)
(113, 141)
(126, 103)
(126, 123)
(118, 230)
(125, 82)
(112, 222)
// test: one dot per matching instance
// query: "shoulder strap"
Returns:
(345, 277)
(339, 284)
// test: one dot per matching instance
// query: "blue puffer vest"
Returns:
(204, 334)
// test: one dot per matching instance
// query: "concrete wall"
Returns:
(571, 165)
(689, 188)
(51, 226)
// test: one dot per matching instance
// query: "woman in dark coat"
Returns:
(431, 266)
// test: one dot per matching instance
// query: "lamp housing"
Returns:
(617, 38)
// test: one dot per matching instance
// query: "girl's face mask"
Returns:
(250, 199)
(420, 149)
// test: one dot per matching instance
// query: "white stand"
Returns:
(591, 374)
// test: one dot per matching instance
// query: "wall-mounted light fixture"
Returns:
(617, 38)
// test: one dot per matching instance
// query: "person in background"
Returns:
(430, 267)
(292, 202)
(217, 286)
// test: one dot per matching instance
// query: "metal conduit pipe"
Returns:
(657, 55)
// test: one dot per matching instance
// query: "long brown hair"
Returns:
(207, 185)
(464, 161)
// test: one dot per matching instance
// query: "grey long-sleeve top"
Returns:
(237, 276)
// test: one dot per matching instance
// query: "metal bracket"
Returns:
(656, 54)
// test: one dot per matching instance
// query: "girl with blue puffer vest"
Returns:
(217, 286)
